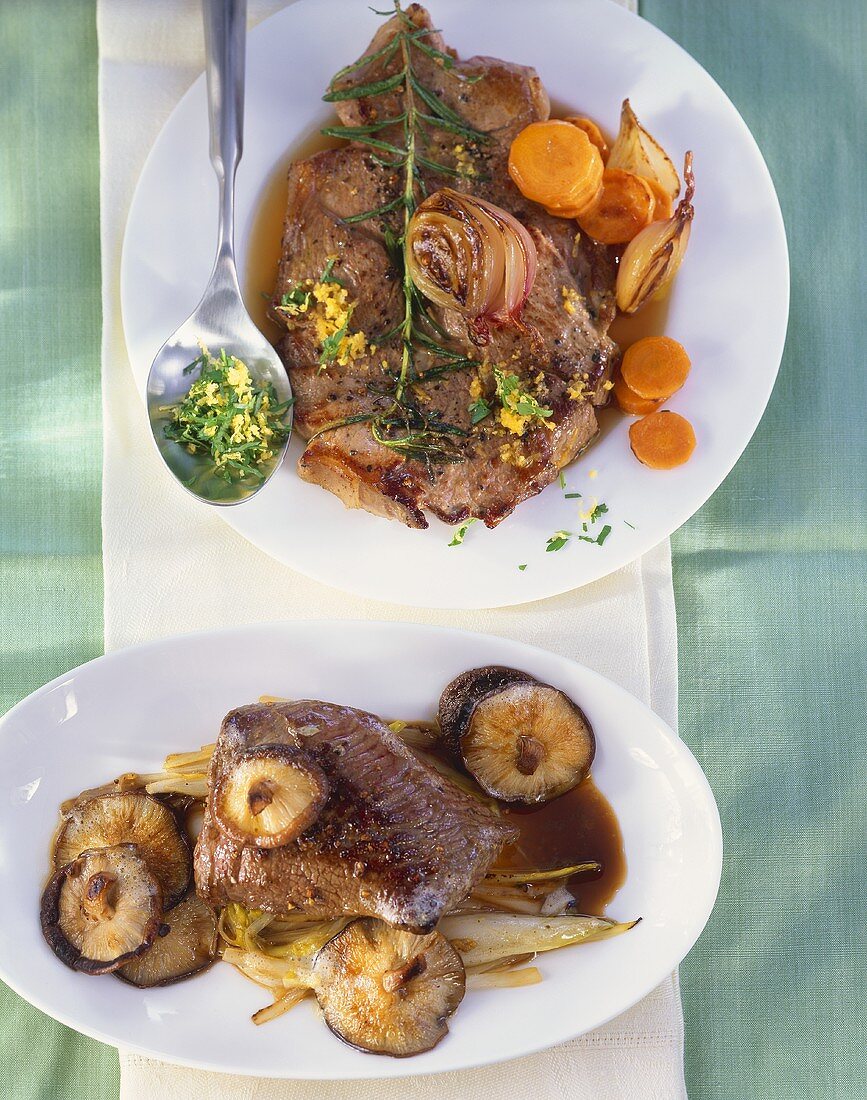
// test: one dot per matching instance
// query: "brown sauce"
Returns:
(650, 320)
(577, 827)
(574, 828)
(266, 234)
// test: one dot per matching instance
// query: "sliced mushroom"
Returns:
(130, 818)
(388, 991)
(522, 741)
(185, 946)
(102, 909)
(462, 695)
(269, 795)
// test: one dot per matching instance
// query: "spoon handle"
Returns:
(225, 44)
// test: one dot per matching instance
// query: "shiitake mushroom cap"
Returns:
(131, 817)
(102, 909)
(268, 795)
(521, 740)
(387, 991)
(462, 695)
(186, 945)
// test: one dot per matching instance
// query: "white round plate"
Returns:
(729, 306)
(128, 710)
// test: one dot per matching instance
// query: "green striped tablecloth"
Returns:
(769, 576)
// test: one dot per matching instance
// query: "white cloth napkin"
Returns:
(170, 565)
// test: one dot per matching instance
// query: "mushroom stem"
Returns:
(259, 797)
(100, 895)
(393, 980)
(530, 754)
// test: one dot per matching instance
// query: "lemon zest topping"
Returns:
(571, 299)
(519, 408)
(512, 453)
(326, 302)
(464, 159)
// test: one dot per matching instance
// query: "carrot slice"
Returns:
(623, 209)
(560, 212)
(662, 440)
(655, 367)
(630, 402)
(592, 131)
(555, 163)
(664, 207)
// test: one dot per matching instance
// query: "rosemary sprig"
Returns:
(404, 426)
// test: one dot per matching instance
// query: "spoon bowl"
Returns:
(220, 322)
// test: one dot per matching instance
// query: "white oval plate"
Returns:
(128, 710)
(729, 307)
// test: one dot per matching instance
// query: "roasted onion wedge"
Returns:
(637, 151)
(130, 818)
(185, 946)
(652, 258)
(522, 741)
(467, 254)
(102, 909)
(388, 991)
(269, 795)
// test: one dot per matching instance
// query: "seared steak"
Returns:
(570, 308)
(395, 839)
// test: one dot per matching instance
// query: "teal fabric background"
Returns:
(769, 583)
(50, 429)
(769, 576)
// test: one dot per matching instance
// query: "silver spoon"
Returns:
(220, 319)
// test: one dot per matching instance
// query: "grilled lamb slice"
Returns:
(395, 839)
(497, 470)
(365, 475)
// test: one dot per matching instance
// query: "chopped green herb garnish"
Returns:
(331, 344)
(523, 567)
(461, 532)
(296, 301)
(479, 409)
(572, 496)
(325, 301)
(628, 524)
(514, 399)
(598, 510)
(558, 540)
(562, 481)
(326, 276)
(599, 539)
(227, 415)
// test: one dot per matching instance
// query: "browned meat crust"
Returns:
(395, 839)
